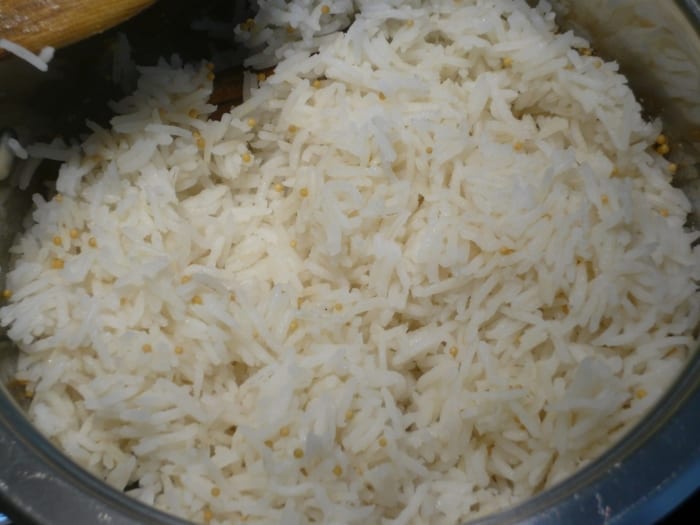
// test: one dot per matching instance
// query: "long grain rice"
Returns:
(415, 277)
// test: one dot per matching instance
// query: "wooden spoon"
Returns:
(35, 24)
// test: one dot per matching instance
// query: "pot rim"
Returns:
(651, 470)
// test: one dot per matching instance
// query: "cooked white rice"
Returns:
(414, 278)
(643, 33)
(40, 61)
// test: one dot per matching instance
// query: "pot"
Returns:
(649, 472)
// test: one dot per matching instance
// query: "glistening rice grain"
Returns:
(493, 236)
(40, 61)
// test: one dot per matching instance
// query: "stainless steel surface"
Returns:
(655, 467)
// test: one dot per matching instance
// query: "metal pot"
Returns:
(649, 472)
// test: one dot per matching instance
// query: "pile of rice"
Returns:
(415, 277)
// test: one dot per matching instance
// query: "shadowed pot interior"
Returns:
(642, 477)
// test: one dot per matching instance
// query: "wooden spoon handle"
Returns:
(38, 23)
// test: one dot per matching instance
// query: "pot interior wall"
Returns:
(38, 106)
